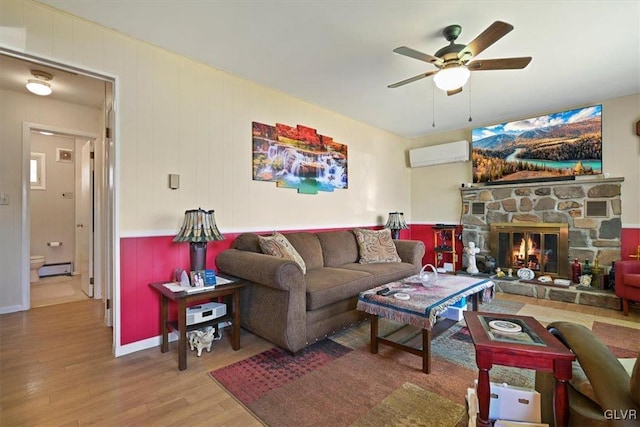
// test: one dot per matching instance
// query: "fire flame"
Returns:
(526, 247)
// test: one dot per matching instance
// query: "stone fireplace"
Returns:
(558, 220)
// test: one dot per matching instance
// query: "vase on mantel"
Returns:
(612, 276)
(576, 271)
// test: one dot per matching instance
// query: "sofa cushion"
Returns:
(338, 247)
(376, 246)
(278, 245)
(328, 284)
(308, 246)
(384, 272)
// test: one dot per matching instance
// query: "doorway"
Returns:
(61, 216)
(64, 107)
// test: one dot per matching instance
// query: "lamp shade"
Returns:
(451, 78)
(198, 226)
(396, 221)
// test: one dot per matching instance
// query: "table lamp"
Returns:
(198, 228)
(396, 223)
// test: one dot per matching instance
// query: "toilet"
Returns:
(37, 261)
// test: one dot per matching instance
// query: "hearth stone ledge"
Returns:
(570, 294)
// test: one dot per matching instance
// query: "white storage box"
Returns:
(503, 423)
(514, 403)
(454, 313)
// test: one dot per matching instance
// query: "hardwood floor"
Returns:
(56, 369)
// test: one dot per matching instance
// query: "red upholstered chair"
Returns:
(628, 282)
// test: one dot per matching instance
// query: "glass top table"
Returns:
(530, 347)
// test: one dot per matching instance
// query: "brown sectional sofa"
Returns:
(292, 309)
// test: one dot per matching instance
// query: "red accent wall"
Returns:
(145, 260)
(630, 240)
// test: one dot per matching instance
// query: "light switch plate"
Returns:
(174, 181)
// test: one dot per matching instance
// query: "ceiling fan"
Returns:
(453, 63)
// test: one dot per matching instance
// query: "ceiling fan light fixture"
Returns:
(39, 84)
(452, 77)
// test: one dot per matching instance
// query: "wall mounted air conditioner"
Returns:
(450, 152)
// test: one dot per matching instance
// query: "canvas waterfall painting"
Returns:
(298, 157)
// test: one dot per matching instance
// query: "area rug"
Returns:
(338, 382)
(326, 389)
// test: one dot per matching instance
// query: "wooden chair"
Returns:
(628, 282)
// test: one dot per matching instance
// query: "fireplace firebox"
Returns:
(541, 247)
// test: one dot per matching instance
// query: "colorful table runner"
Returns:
(425, 303)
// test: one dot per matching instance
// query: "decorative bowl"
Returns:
(428, 278)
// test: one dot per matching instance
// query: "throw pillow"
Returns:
(376, 246)
(278, 245)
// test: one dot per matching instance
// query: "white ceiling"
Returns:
(67, 85)
(338, 54)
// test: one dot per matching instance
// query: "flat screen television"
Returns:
(553, 147)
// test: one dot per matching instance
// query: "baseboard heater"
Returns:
(57, 269)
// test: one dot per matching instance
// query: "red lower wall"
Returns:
(145, 260)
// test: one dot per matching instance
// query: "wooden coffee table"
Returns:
(421, 309)
(532, 348)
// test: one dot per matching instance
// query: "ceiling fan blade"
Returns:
(412, 79)
(499, 64)
(492, 34)
(454, 91)
(412, 53)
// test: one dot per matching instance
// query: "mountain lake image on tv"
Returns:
(552, 147)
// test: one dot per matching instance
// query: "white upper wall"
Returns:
(177, 116)
(435, 195)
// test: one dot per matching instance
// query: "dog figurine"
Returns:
(201, 339)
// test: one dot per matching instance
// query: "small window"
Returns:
(37, 171)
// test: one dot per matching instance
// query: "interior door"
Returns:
(84, 215)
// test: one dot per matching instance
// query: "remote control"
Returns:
(388, 293)
(382, 291)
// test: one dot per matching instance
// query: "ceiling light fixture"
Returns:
(39, 84)
(452, 77)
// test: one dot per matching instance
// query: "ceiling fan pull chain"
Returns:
(433, 105)
(469, 101)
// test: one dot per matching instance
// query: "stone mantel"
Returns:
(590, 206)
(476, 187)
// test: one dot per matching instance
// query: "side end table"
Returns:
(183, 299)
(532, 348)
